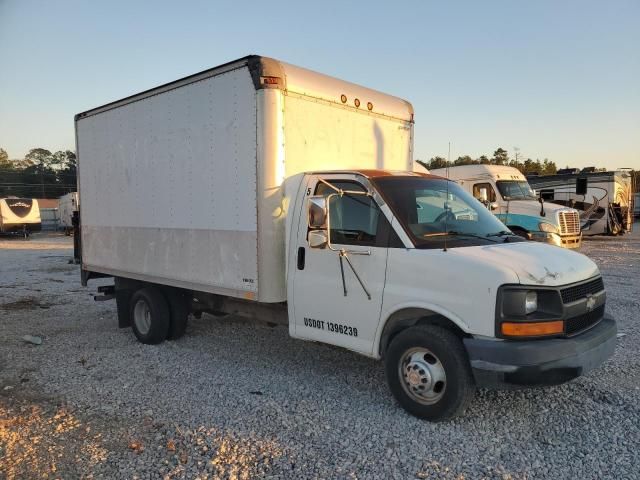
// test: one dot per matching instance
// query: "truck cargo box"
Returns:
(184, 184)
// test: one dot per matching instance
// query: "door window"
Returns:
(354, 219)
(491, 193)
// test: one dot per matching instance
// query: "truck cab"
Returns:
(506, 192)
(413, 269)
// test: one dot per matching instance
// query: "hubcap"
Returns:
(142, 316)
(422, 375)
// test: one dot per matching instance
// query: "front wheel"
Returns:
(428, 372)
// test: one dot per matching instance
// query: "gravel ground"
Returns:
(234, 399)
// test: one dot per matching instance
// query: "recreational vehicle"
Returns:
(19, 216)
(604, 199)
(66, 206)
(263, 189)
(505, 191)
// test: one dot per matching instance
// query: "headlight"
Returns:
(547, 227)
(530, 302)
(528, 311)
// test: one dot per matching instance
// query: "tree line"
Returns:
(500, 157)
(40, 174)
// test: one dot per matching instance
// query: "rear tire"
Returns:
(428, 372)
(179, 313)
(150, 315)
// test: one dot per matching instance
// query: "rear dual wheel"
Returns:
(157, 315)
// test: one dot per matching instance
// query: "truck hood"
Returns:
(532, 207)
(536, 263)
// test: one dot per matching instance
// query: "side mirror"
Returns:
(484, 196)
(317, 214)
(317, 238)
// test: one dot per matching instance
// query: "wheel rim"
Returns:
(142, 316)
(422, 375)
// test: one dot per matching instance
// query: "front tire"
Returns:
(428, 372)
(150, 315)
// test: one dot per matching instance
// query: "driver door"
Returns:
(330, 304)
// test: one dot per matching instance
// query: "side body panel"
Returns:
(168, 187)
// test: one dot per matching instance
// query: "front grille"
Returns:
(571, 294)
(582, 322)
(569, 222)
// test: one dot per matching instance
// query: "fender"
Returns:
(407, 314)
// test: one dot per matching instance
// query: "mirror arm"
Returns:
(343, 254)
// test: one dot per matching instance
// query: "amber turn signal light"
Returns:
(532, 329)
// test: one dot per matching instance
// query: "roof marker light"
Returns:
(369, 106)
(270, 80)
(356, 102)
(343, 98)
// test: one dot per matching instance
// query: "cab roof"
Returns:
(379, 173)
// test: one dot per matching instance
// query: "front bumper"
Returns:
(540, 362)
(546, 237)
(571, 241)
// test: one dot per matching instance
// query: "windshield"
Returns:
(515, 190)
(433, 210)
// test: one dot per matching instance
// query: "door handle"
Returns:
(301, 258)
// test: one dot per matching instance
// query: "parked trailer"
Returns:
(49, 218)
(505, 191)
(604, 199)
(267, 190)
(66, 206)
(19, 216)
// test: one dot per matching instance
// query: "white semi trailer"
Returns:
(67, 205)
(263, 189)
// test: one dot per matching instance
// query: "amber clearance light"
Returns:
(532, 329)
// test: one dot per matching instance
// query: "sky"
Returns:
(558, 79)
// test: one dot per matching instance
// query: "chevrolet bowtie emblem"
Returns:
(591, 303)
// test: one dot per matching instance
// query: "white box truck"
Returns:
(505, 191)
(263, 189)
(67, 204)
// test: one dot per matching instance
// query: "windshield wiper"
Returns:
(454, 233)
(503, 233)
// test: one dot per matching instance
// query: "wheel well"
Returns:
(410, 317)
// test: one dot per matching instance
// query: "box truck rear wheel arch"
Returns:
(428, 372)
(150, 315)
